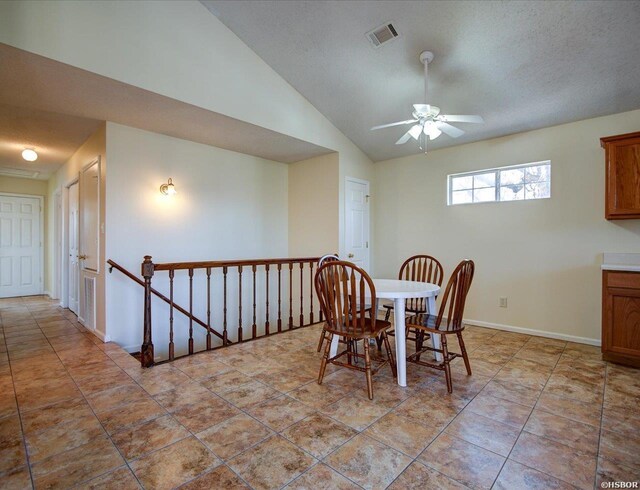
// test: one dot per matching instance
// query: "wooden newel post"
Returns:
(146, 351)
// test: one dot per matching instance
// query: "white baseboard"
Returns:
(531, 331)
(47, 294)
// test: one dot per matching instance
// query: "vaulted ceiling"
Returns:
(521, 65)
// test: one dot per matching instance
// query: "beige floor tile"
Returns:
(402, 434)
(119, 479)
(321, 477)
(418, 477)
(513, 392)
(148, 436)
(355, 412)
(504, 411)
(587, 413)
(279, 413)
(610, 471)
(367, 462)
(271, 464)
(227, 381)
(318, 396)
(577, 435)
(623, 448)
(77, 465)
(221, 477)
(205, 413)
(555, 459)
(134, 412)
(462, 461)
(427, 410)
(16, 479)
(517, 476)
(174, 465)
(250, 394)
(234, 435)
(71, 433)
(621, 420)
(484, 432)
(113, 397)
(12, 453)
(319, 435)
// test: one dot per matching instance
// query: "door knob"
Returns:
(351, 256)
(82, 257)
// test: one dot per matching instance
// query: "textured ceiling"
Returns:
(55, 137)
(521, 65)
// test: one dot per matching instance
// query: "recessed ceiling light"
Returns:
(29, 155)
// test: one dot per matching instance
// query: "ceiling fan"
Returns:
(427, 120)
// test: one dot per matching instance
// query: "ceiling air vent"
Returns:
(383, 34)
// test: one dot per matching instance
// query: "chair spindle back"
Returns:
(455, 295)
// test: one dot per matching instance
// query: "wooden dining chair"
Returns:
(448, 321)
(342, 290)
(324, 259)
(421, 268)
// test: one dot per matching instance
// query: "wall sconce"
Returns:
(168, 189)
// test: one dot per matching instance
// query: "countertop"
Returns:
(620, 262)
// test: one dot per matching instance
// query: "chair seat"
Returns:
(364, 333)
(427, 322)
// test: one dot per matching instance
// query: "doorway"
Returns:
(73, 246)
(21, 261)
(356, 212)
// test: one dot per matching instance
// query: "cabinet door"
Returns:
(622, 322)
(623, 178)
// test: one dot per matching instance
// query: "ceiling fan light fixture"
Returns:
(431, 130)
(415, 131)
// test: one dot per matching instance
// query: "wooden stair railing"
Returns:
(119, 268)
(258, 270)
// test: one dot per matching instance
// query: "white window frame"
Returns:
(496, 171)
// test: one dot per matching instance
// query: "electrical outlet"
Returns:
(502, 303)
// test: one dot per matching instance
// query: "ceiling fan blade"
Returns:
(404, 138)
(459, 118)
(449, 129)
(399, 123)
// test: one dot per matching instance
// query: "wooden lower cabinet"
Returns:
(621, 317)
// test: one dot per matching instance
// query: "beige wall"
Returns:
(67, 174)
(313, 206)
(228, 206)
(32, 187)
(544, 256)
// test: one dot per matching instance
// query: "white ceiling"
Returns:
(521, 65)
(55, 137)
(55, 107)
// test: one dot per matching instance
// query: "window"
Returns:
(513, 183)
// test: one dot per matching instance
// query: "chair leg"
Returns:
(392, 361)
(419, 342)
(323, 364)
(387, 314)
(322, 335)
(379, 341)
(349, 350)
(445, 360)
(465, 356)
(367, 366)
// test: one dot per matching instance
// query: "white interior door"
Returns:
(20, 246)
(357, 222)
(73, 241)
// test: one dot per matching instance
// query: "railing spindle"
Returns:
(224, 323)
(279, 297)
(266, 322)
(171, 346)
(301, 294)
(254, 330)
(240, 303)
(208, 308)
(190, 311)
(311, 292)
(290, 295)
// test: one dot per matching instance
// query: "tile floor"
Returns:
(537, 413)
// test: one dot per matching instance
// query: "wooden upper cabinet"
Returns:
(622, 193)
